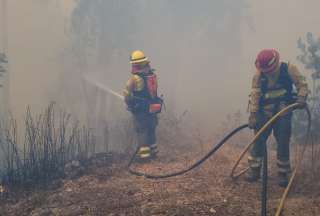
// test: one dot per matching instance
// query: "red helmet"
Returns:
(267, 60)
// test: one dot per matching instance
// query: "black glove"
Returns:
(301, 101)
(252, 123)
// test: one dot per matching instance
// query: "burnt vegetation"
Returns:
(50, 141)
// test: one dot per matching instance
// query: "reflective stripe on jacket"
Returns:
(297, 79)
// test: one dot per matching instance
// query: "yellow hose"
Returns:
(299, 162)
(257, 135)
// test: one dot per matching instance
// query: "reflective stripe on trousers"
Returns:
(282, 132)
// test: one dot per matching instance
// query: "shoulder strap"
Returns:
(264, 83)
(285, 78)
(284, 69)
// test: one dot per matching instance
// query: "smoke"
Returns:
(193, 47)
(36, 38)
(203, 52)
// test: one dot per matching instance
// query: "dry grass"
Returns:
(51, 140)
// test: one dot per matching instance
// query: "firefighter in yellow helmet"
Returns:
(272, 90)
(143, 102)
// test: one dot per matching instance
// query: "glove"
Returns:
(252, 123)
(131, 104)
(301, 101)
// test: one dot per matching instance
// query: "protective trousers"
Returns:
(282, 132)
(145, 125)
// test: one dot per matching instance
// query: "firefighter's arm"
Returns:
(127, 92)
(299, 81)
(254, 101)
(255, 94)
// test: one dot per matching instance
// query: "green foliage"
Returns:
(310, 57)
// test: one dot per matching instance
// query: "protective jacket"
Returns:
(271, 90)
(141, 93)
(142, 99)
(271, 93)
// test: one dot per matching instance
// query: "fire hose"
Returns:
(289, 108)
(234, 175)
(196, 164)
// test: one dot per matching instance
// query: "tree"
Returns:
(310, 57)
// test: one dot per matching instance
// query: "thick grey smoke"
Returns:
(36, 39)
(193, 46)
(203, 51)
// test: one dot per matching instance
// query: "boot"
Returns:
(283, 179)
(253, 174)
(154, 151)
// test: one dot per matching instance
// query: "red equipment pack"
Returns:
(152, 85)
(147, 100)
(155, 104)
(155, 107)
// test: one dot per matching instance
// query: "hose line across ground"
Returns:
(286, 110)
(196, 164)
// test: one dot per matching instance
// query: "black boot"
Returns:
(253, 174)
(283, 179)
(154, 151)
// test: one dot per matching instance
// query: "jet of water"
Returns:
(103, 87)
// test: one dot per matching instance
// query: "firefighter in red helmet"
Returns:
(143, 102)
(272, 90)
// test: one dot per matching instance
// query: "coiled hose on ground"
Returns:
(287, 109)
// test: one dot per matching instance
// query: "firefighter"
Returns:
(272, 90)
(143, 102)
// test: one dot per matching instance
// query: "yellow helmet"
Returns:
(138, 57)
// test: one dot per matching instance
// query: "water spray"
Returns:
(103, 87)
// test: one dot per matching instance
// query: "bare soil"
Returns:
(207, 190)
